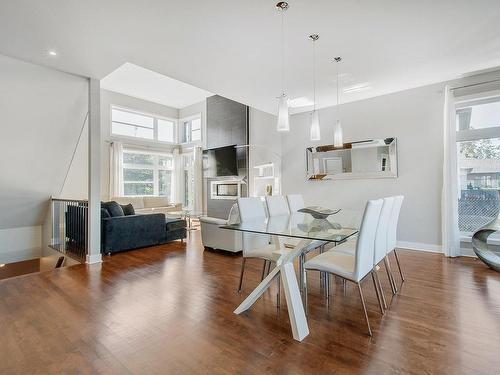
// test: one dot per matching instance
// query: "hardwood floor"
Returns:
(168, 310)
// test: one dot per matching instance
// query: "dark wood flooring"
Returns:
(169, 310)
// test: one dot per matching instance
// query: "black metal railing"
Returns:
(69, 227)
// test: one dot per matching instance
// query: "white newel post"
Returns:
(94, 174)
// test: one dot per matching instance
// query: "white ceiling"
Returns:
(232, 48)
(133, 80)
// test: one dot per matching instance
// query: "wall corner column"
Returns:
(94, 174)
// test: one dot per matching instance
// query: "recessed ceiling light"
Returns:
(52, 53)
(300, 102)
(359, 87)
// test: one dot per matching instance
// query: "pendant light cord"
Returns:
(283, 51)
(314, 73)
(338, 90)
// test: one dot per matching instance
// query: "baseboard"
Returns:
(93, 258)
(420, 247)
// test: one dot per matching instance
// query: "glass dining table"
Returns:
(311, 233)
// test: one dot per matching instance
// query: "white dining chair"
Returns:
(392, 233)
(295, 202)
(278, 206)
(254, 245)
(355, 266)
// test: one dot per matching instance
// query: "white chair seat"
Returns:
(335, 262)
(265, 252)
(348, 247)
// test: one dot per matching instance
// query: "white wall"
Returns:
(43, 111)
(18, 244)
(414, 117)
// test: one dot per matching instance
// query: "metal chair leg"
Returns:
(377, 292)
(241, 274)
(263, 270)
(278, 296)
(327, 288)
(364, 308)
(390, 275)
(382, 294)
(304, 290)
(399, 265)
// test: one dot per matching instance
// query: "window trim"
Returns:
(155, 117)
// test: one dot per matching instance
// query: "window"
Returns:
(191, 130)
(147, 173)
(478, 146)
(139, 125)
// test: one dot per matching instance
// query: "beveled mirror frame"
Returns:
(392, 171)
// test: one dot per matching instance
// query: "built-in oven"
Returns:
(225, 189)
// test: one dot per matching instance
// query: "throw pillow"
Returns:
(128, 209)
(104, 213)
(113, 208)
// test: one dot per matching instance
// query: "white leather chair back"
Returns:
(252, 209)
(277, 205)
(295, 202)
(382, 228)
(365, 245)
(392, 233)
(234, 215)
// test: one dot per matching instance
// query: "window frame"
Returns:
(155, 118)
(156, 171)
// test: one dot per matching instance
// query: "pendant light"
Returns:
(283, 124)
(315, 132)
(338, 140)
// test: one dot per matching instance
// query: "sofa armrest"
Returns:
(132, 231)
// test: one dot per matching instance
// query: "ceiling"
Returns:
(233, 48)
(133, 80)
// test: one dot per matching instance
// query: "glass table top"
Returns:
(298, 225)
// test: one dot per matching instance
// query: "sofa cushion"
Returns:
(137, 202)
(150, 202)
(128, 209)
(113, 208)
(174, 224)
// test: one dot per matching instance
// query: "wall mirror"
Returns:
(376, 158)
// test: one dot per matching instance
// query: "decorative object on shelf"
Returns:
(269, 189)
(338, 139)
(375, 158)
(315, 132)
(318, 212)
(480, 245)
(283, 124)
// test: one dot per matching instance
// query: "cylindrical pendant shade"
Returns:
(315, 130)
(338, 140)
(283, 124)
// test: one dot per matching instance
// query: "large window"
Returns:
(142, 126)
(147, 173)
(188, 179)
(478, 145)
(191, 129)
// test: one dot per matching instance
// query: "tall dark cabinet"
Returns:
(227, 125)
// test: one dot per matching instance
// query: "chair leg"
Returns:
(364, 308)
(327, 288)
(241, 274)
(382, 294)
(399, 265)
(263, 270)
(268, 267)
(304, 289)
(301, 272)
(278, 296)
(377, 292)
(390, 275)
